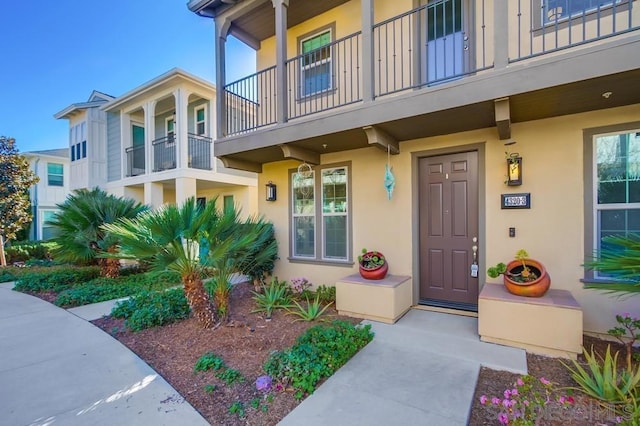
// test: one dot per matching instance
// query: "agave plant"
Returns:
(274, 296)
(81, 237)
(312, 311)
(170, 238)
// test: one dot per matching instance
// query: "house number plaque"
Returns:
(516, 201)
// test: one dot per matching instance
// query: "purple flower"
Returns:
(526, 402)
(561, 400)
(503, 418)
(483, 399)
(520, 382)
(263, 383)
(507, 393)
(544, 381)
(495, 400)
(507, 403)
(514, 391)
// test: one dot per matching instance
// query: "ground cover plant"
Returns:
(55, 279)
(152, 308)
(12, 273)
(25, 251)
(103, 288)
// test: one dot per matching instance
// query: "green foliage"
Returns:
(371, 259)
(230, 376)
(80, 235)
(237, 408)
(210, 389)
(312, 311)
(55, 279)
(274, 296)
(620, 261)
(151, 308)
(28, 250)
(494, 271)
(524, 276)
(261, 256)
(602, 380)
(16, 177)
(317, 354)
(627, 333)
(103, 288)
(209, 361)
(326, 294)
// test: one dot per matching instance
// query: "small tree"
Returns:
(15, 180)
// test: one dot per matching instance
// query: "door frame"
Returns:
(415, 209)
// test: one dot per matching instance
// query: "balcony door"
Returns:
(137, 142)
(446, 39)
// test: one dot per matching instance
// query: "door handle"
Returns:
(474, 264)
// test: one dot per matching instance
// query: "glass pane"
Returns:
(612, 220)
(317, 78)
(303, 194)
(633, 220)
(612, 192)
(228, 203)
(170, 124)
(200, 129)
(200, 115)
(84, 149)
(304, 237)
(316, 42)
(138, 135)
(55, 180)
(78, 151)
(558, 9)
(54, 168)
(334, 191)
(444, 18)
(335, 237)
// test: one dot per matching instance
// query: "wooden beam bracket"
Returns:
(381, 139)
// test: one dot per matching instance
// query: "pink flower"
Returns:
(503, 419)
(514, 391)
(495, 400)
(561, 400)
(507, 393)
(544, 381)
(626, 314)
(570, 400)
(526, 402)
(483, 399)
(507, 403)
(520, 382)
(618, 419)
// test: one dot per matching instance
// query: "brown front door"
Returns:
(448, 225)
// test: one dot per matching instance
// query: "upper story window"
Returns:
(316, 63)
(78, 141)
(616, 185)
(200, 124)
(55, 174)
(170, 129)
(320, 216)
(554, 10)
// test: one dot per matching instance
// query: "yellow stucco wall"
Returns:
(552, 231)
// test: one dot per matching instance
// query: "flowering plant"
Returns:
(299, 285)
(525, 402)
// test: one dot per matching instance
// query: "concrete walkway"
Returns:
(420, 371)
(56, 368)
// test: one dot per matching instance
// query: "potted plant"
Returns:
(523, 276)
(373, 265)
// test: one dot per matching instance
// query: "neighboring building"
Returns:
(439, 90)
(87, 141)
(159, 147)
(52, 167)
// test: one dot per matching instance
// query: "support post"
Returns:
(149, 135)
(281, 7)
(367, 50)
(181, 126)
(222, 29)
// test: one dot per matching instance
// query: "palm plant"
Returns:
(620, 260)
(170, 238)
(80, 236)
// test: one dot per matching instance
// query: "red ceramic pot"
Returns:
(377, 273)
(536, 288)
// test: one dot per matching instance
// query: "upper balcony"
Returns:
(442, 67)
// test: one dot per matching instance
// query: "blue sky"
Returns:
(54, 53)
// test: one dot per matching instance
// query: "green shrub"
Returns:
(209, 361)
(309, 312)
(230, 376)
(102, 288)
(152, 308)
(326, 294)
(28, 250)
(55, 279)
(317, 354)
(273, 296)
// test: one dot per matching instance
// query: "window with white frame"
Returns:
(55, 174)
(554, 10)
(78, 141)
(170, 129)
(616, 191)
(48, 231)
(320, 222)
(200, 121)
(316, 63)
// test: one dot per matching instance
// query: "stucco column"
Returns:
(149, 134)
(185, 188)
(281, 7)
(153, 194)
(501, 33)
(181, 126)
(367, 50)
(125, 141)
(222, 29)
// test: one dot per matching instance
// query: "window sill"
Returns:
(339, 263)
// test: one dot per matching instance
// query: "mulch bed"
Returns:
(244, 344)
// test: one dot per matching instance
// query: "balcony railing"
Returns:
(164, 153)
(325, 78)
(433, 44)
(135, 160)
(199, 152)
(557, 25)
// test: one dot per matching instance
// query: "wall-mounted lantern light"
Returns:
(514, 169)
(271, 191)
